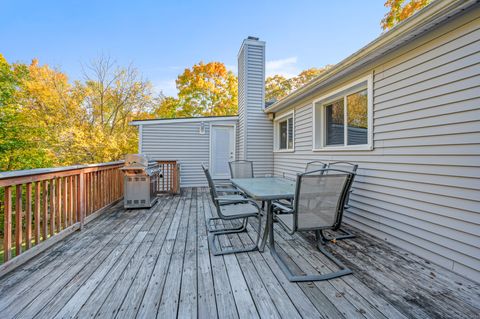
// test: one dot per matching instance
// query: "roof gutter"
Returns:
(427, 18)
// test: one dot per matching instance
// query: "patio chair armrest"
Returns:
(282, 207)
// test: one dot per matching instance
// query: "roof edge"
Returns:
(437, 12)
(185, 120)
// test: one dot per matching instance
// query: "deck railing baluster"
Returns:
(28, 216)
(18, 220)
(50, 203)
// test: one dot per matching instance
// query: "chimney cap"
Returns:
(252, 38)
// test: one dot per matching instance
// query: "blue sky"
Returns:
(161, 38)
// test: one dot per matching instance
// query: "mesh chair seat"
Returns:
(238, 210)
(287, 220)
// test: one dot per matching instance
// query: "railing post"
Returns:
(81, 197)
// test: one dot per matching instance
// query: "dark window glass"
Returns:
(334, 121)
(290, 133)
(282, 127)
(285, 131)
(357, 117)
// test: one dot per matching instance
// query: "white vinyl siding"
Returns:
(255, 130)
(241, 134)
(419, 188)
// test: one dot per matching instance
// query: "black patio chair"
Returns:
(229, 208)
(318, 205)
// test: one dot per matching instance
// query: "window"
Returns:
(342, 119)
(284, 133)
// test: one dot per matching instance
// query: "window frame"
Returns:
(319, 119)
(284, 117)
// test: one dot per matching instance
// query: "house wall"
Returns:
(183, 142)
(419, 188)
(241, 135)
(255, 130)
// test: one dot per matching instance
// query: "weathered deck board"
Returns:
(156, 263)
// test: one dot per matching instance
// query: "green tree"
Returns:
(18, 149)
(399, 11)
(112, 96)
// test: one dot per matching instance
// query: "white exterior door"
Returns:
(222, 150)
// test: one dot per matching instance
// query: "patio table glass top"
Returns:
(266, 188)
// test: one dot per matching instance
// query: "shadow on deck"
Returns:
(147, 263)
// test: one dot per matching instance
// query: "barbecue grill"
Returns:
(140, 179)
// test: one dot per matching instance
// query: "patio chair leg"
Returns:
(345, 235)
(226, 230)
(302, 278)
(219, 251)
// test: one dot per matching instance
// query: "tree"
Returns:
(399, 11)
(277, 86)
(18, 139)
(167, 108)
(112, 97)
(52, 109)
(206, 90)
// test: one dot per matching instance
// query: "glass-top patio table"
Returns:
(266, 189)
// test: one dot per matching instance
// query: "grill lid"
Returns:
(136, 160)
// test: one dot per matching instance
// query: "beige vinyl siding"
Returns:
(181, 142)
(420, 186)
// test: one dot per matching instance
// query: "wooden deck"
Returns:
(156, 263)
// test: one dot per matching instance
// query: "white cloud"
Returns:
(286, 67)
(168, 87)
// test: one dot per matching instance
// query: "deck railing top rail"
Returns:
(51, 170)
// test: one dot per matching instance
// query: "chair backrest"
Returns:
(320, 198)
(211, 185)
(315, 166)
(213, 191)
(344, 166)
(241, 169)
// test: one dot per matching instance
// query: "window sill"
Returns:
(284, 151)
(344, 148)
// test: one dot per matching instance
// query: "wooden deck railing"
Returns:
(41, 206)
(170, 183)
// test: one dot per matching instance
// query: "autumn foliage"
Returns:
(45, 120)
(278, 86)
(206, 89)
(399, 11)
